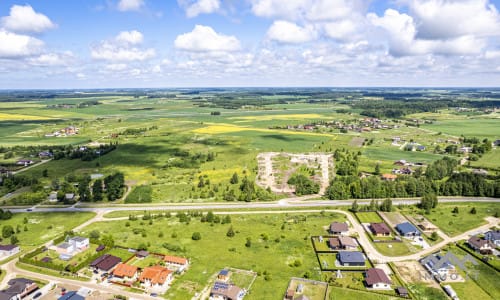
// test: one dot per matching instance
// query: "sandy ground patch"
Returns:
(413, 271)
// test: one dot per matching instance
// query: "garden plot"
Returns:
(276, 168)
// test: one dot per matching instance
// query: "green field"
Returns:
(369, 217)
(468, 127)
(272, 249)
(336, 293)
(42, 227)
(453, 224)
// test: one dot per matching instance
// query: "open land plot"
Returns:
(396, 249)
(468, 127)
(488, 160)
(453, 224)
(272, 249)
(412, 271)
(394, 218)
(337, 293)
(312, 290)
(42, 227)
(369, 217)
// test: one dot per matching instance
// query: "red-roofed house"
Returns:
(156, 276)
(181, 262)
(125, 272)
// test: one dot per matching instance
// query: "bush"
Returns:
(196, 236)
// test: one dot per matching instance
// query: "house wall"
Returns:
(381, 285)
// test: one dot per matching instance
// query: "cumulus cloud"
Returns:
(52, 59)
(14, 45)
(24, 19)
(445, 19)
(122, 48)
(288, 32)
(204, 38)
(194, 8)
(133, 37)
(130, 5)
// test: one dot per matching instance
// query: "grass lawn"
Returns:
(43, 227)
(272, 249)
(337, 293)
(396, 249)
(488, 160)
(149, 261)
(121, 253)
(424, 292)
(454, 224)
(241, 279)
(467, 127)
(311, 291)
(321, 246)
(469, 290)
(369, 217)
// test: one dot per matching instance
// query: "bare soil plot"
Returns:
(357, 142)
(276, 168)
(413, 271)
(393, 218)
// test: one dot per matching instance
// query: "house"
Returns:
(105, 263)
(46, 259)
(69, 197)
(18, 289)
(380, 229)
(100, 248)
(339, 228)
(437, 265)
(389, 177)
(348, 243)
(407, 229)
(493, 236)
(156, 276)
(401, 291)
(464, 149)
(377, 279)
(45, 155)
(225, 291)
(80, 243)
(24, 162)
(496, 143)
(351, 258)
(181, 262)
(421, 148)
(289, 294)
(65, 250)
(223, 275)
(53, 196)
(142, 254)
(8, 250)
(400, 162)
(334, 243)
(72, 295)
(300, 288)
(481, 245)
(427, 226)
(126, 272)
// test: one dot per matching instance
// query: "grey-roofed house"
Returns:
(105, 263)
(8, 250)
(407, 229)
(481, 245)
(351, 258)
(493, 236)
(339, 228)
(434, 264)
(18, 289)
(72, 295)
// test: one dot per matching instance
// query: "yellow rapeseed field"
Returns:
(15, 117)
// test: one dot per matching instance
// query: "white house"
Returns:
(8, 250)
(155, 277)
(377, 279)
(80, 243)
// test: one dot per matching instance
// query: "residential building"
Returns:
(125, 272)
(142, 254)
(72, 295)
(481, 245)
(105, 263)
(348, 243)
(18, 289)
(380, 229)
(24, 162)
(437, 265)
(427, 226)
(339, 228)
(223, 275)
(334, 243)
(80, 243)
(389, 177)
(377, 279)
(8, 250)
(53, 196)
(407, 229)
(493, 236)
(225, 291)
(351, 258)
(180, 262)
(156, 276)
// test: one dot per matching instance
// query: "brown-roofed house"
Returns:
(105, 263)
(125, 271)
(389, 177)
(155, 276)
(403, 292)
(481, 245)
(222, 290)
(377, 279)
(347, 243)
(175, 260)
(334, 243)
(338, 228)
(19, 288)
(427, 226)
(380, 229)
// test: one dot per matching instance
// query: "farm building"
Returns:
(377, 279)
(407, 229)
(351, 258)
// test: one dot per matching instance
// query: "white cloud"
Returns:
(197, 7)
(14, 45)
(116, 67)
(130, 5)
(492, 54)
(25, 19)
(341, 30)
(52, 59)
(121, 48)
(327, 10)
(289, 9)
(288, 32)
(445, 19)
(204, 38)
(133, 37)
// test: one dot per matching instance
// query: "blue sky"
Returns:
(194, 43)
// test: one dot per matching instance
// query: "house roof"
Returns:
(8, 247)
(46, 259)
(479, 242)
(433, 259)
(228, 291)
(224, 272)
(347, 241)
(78, 239)
(389, 176)
(375, 275)
(16, 287)
(338, 227)
(406, 227)
(351, 257)
(175, 259)
(71, 296)
(492, 235)
(142, 253)
(105, 262)
(64, 245)
(380, 228)
(155, 274)
(334, 242)
(124, 270)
